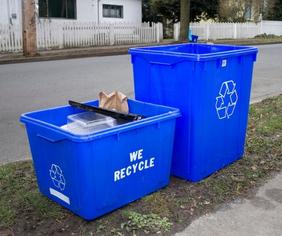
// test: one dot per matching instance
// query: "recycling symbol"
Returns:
(226, 101)
(57, 177)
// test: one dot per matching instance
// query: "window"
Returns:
(57, 8)
(112, 11)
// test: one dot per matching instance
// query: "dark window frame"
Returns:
(118, 7)
(47, 13)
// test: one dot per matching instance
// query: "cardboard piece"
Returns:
(116, 101)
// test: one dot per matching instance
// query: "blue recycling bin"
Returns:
(211, 86)
(97, 173)
(195, 38)
(191, 37)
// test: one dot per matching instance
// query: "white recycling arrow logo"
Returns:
(57, 177)
(226, 101)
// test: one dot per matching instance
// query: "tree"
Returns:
(161, 10)
(184, 18)
(232, 11)
(158, 10)
(242, 10)
(276, 11)
(168, 12)
(267, 9)
(203, 9)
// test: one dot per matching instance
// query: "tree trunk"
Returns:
(29, 28)
(184, 19)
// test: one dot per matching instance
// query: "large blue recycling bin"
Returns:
(211, 85)
(95, 174)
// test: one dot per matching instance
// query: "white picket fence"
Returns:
(87, 34)
(272, 27)
(207, 31)
(71, 34)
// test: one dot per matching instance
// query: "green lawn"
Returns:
(23, 210)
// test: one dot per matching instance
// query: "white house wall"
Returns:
(10, 11)
(132, 11)
(87, 11)
(4, 12)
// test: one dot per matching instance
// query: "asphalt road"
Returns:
(30, 86)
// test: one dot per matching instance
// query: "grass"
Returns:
(259, 39)
(23, 210)
(19, 194)
(150, 223)
(267, 36)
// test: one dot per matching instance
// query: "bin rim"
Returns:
(237, 51)
(173, 113)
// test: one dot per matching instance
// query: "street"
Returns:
(30, 86)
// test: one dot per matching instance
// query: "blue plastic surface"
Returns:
(211, 86)
(194, 38)
(95, 174)
(191, 37)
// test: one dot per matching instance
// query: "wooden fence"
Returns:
(71, 34)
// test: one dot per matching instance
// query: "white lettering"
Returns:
(146, 165)
(134, 167)
(136, 155)
(128, 170)
(122, 173)
(117, 173)
(141, 165)
(152, 162)
(133, 156)
(140, 155)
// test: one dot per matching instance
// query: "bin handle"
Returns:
(52, 140)
(161, 63)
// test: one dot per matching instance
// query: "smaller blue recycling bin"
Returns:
(95, 174)
(195, 38)
(211, 85)
(191, 37)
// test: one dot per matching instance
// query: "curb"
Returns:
(84, 53)
(65, 56)
(76, 53)
(250, 43)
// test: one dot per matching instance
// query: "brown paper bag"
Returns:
(114, 101)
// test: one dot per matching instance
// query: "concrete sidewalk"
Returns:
(261, 215)
(69, 53)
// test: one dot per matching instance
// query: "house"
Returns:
(100, 11)
(75, 23)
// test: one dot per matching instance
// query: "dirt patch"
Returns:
(24, 211)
